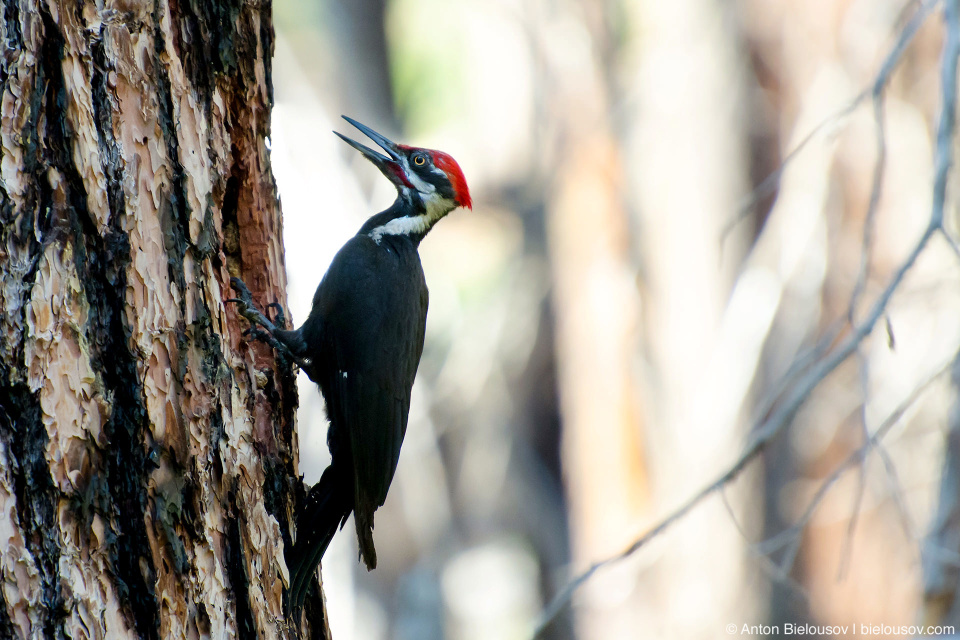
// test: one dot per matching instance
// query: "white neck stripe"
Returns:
(437, 207)
(404, 226)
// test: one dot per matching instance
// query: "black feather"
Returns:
(364, 337)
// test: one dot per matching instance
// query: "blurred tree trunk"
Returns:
(941, 572)
(812, 240)
(687, 143)
(597, 318)
(147, 453)
(364, 69)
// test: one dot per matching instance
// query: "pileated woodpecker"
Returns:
(361, 344)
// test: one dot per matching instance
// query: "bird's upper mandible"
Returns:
(431, 176)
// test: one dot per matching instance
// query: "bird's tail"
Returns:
(327, 506)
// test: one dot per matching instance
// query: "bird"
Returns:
(361, 344)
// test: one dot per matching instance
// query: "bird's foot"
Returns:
(281, 318)
(246, 306)
(262, 328)
(256, 333)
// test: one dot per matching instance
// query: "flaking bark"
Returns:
(147, 452)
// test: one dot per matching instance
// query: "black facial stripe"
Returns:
(440, 181)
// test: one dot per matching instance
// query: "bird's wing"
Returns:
(375, 305)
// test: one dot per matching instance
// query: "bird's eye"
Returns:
(419, 160)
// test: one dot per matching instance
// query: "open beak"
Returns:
(388, 164)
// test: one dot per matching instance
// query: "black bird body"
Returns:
(368, 320)
(370, 290)
(362, 344)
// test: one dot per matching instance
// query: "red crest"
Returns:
(448, 165)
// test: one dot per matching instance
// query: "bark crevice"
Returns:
(101, 263)
(26, 445)
(237, 568)
(174, 209)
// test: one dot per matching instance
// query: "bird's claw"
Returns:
(242, 308)
(261, 328)
(243, 293)
(281, 319)
(247, 308)
(256, 333)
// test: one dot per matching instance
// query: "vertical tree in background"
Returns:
(832, 330)
(597, 319)
(147, 453)
(687, 143)
(682, 177)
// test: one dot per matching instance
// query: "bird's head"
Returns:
(431, 177)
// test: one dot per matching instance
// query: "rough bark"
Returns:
(147, 452)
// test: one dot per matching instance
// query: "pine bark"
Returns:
(147, 451)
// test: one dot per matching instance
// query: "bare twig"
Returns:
(770, 568)
(896, 491)
(847, 549)
(943, 153)
(799, 366)
(948, 112)
(951, 241)
(943, 162)
(769, 184)
(787, 536)
(869, 221)
(769, 428)
(906, 36)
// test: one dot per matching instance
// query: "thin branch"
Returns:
(799, 366)
(768, 429)
(943, 162)
(788, 535)
(846, 551)
(832, 360)
(896, 491)
(951, 241)
(769, 184)
(802, 362)
(889, 467)
(869, 221)
(906, 36)
(759, 445)
(770, 568)
(564, 596)
(862, 364)
(948, 113)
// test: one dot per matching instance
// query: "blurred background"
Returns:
(629, 298)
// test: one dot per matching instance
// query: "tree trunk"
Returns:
(147, 452)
